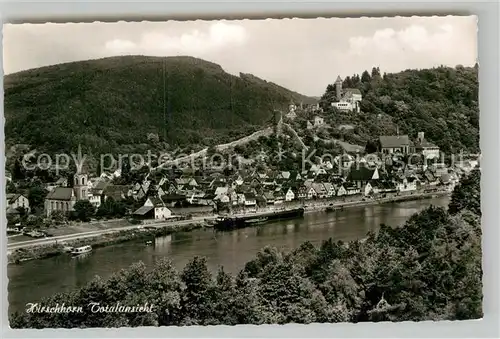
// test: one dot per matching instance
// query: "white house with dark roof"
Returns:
(269, 196)
(279, 196)
(341, 191)
(116, 192)
(241, 198)
(153, 208)
(62, 182)
(330, 189)
(406, 184)
(290, 195)
(97, 186)
(186, 181)
(309, 192)
(250, 199)
(320, 190)
(14, 201)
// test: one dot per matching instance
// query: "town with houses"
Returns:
(181, 192)
(243, 189)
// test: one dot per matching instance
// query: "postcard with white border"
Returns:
(233, 172)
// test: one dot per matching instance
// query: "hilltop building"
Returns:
(348, 99)
(292, 111)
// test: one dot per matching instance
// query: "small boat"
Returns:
(330, 209)
(81, 250)
(149, 242)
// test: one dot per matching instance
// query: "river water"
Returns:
(32, 280)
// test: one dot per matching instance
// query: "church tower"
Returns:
(80, 186)
(338, 87)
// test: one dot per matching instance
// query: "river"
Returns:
(33, 280)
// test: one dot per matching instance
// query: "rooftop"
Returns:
(61, 193)
(352, 90)
(143, 210)
(424, 144)
(392, 141)
(12, 197)
(115, 191)
(361, 174)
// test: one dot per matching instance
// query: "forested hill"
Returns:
(113, 104)
(442, 102)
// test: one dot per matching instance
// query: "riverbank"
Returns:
(32, 250)
(54, 249)
(319, 206)
(31, 281)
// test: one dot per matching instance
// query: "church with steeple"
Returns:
(64, 198)
(347, 99)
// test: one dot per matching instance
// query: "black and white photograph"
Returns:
(230, 172)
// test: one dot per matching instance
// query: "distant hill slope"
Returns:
(112, 104)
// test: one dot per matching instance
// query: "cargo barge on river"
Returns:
(231, 223)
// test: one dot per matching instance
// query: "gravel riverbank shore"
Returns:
(54, 249)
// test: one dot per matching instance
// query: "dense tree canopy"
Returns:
(83, 210)
(36, 197)
(468, 194)
(111, 209)
(429, 269)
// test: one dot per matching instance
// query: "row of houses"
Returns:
(362, 181)
(241, 188)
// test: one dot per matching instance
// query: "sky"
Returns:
(304, 55)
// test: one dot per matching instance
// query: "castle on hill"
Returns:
(348, 99)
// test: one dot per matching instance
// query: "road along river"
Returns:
(32, 280)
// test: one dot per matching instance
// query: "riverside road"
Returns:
(32, 280)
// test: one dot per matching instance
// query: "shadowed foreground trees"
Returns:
(430, 269)
(468, 194)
